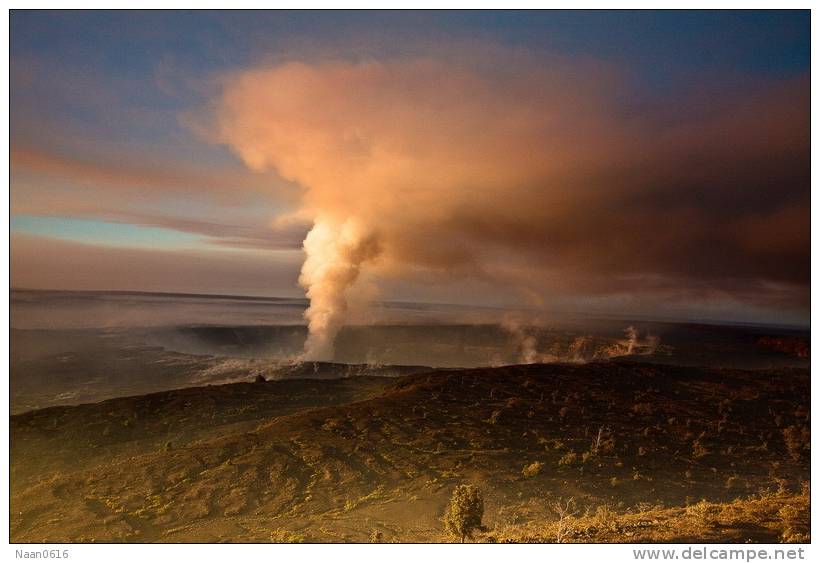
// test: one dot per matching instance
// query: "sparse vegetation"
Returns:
(494, 416)
(286, 536)
(795, 518)
(565, 510)
(568, 458)
(701, 513)
(781, 517)
(605, 518)
(533, 469)
(798, 440)
(698, 449)
(377, 456)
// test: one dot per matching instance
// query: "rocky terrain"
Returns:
(645, 453)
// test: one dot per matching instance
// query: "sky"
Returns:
(635, 163)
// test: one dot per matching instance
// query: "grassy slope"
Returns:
(387, 463)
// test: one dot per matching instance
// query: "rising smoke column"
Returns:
(334, 256)
(403, 161)
(524, 174)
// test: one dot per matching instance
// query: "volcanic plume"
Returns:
(335, 253)
(537, 176)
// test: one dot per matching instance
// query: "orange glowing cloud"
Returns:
(531, 176)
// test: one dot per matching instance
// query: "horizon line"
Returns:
(589, 315)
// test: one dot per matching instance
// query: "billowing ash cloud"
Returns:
(529, 175)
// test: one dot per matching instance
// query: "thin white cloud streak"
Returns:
(49, 263)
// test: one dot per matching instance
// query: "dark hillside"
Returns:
(623, 435)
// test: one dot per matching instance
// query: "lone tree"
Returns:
(465, 512)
